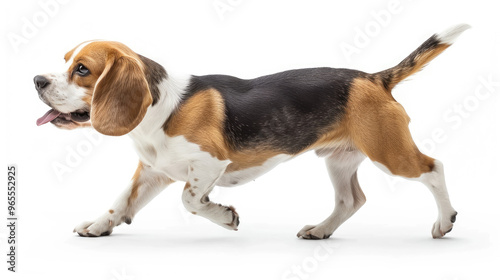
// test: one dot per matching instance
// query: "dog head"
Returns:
(104, 86)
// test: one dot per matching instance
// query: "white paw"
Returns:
(314, 232)
(443, 225)
(234, 219)
(102, 226)
(227, 217)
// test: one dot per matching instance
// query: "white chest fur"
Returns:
(170, 155)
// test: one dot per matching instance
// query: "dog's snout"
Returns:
(40, 82)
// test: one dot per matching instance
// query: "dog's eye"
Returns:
(82, 70)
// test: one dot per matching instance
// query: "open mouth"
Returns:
(55, 116)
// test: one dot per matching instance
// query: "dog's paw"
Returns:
(314, 232)
(229, 218)
(443, 225)
(103, 226)
(94, 229)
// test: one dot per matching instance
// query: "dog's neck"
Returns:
(167, 92)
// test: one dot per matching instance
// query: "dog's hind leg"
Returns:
(381, 132)
(430, 172)
(342, 167)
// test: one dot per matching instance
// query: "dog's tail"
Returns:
(431, 48)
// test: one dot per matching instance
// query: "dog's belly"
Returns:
(239, 177)
(173, 155)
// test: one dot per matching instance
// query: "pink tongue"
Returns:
(49, 116)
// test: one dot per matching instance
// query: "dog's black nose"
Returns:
(40, 82)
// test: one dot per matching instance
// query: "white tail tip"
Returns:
(451, 34)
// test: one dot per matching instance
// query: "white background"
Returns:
(389, 238)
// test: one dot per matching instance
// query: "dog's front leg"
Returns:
(145, 185)
(202, 177)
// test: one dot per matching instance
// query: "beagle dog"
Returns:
(225, 131)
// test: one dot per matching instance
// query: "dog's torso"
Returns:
(258, 123)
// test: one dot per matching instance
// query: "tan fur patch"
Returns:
(378, 126)
(188, 188)
(200, 120)
(135, 184)
(68, 55)
(111, 211)
(333, 137)
(249, 158)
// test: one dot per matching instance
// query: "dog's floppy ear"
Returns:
(121, 97)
